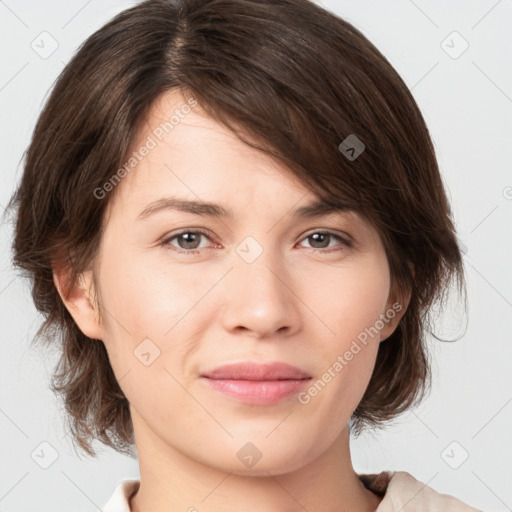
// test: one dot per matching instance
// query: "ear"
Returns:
(79, 301)
(395, 310)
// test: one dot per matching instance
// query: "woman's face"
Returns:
(185, 292)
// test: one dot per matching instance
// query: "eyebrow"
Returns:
(204, 208)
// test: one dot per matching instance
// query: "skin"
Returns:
(212, 307)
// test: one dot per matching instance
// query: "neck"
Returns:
(170, 480)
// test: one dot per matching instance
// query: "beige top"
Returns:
(400, 491)
(403, 493)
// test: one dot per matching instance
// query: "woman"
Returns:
(232, 215)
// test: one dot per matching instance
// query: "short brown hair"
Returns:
(298, 80)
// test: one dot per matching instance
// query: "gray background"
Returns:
(466, 99)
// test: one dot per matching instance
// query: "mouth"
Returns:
(259, 384)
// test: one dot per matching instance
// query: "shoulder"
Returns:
(400, 491)
(120, 499)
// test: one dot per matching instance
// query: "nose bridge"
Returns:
(260, 299)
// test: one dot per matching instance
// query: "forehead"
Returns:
(195, 164)
(179, 147)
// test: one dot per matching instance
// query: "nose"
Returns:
(260, 299)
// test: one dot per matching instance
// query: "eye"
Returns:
(188, 240)
(320, 241)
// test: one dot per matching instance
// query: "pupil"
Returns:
(187, 237)
(316, 236)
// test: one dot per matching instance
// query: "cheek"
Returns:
(146, 319)
(350, 299)
(143, 301)
(145, 295)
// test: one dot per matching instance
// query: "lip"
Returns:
(261, 384)
(255, 371)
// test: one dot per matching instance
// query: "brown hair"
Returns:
(295, 78)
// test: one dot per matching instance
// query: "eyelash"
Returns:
(167, 241)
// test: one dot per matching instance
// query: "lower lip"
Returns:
(258, 392)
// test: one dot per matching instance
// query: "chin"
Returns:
(275, 462)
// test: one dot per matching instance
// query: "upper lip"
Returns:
(255, 371)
